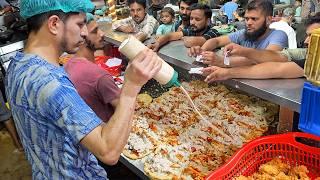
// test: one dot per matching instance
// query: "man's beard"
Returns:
(91, 45)
(185, 17)
(253, 36)
(64, 47)
(137, 20)
(196, 30)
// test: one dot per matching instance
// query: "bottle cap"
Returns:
(173, 81)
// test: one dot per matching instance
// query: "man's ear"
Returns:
(54, 23)
(269, 20)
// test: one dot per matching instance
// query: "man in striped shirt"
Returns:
(61, 135)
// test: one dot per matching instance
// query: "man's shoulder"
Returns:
(239, 33)
(150, 18)
(84, 67)
(212, 32)
(277, 33)
(76, 61)
(34, 66)
(211, 29)
(33, 75)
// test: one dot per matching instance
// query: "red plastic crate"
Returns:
(114, 71)
(247, 160)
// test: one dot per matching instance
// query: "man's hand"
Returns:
(155, 46)
(126, 29)
(194, 51)
(142, 68)
(235, 50)
(215, 73)
(212, 59)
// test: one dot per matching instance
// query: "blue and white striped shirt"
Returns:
(51, 119)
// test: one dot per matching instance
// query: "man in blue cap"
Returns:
(61, 135)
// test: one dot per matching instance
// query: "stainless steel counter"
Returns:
(112, 37)
(285, 92)
(135, 166)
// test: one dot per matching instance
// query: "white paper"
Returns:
(196, 70)
(113, 62)
(199, 58)
(226, 59)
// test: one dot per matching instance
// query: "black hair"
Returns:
(204, 7)
(313, 19)
(35, 22)
(240, 12)
(141, 2)
(168, 10)
(188, 2)
(264, 5)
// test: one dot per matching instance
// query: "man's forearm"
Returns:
(116, 131)
(267, 70)
(162, 40)
(216, 42)
(194, 41)
(261, 56)
(120, 28)
(210, 45)
(240, 61)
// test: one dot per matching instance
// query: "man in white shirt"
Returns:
(139, 22)
(284, 25)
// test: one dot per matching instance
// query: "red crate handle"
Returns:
(295, 135)
(288, 138)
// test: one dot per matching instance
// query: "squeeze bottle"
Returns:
(167, 76)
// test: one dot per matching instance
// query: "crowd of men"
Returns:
(194, 27)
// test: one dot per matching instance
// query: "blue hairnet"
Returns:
(90, 17)
(29, 8)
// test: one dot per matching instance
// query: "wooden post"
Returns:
(285, 120)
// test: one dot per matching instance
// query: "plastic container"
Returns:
(247, 160)
(167, 76)
(310, 109)
(312, 64)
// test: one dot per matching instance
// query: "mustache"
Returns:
(185, 17)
